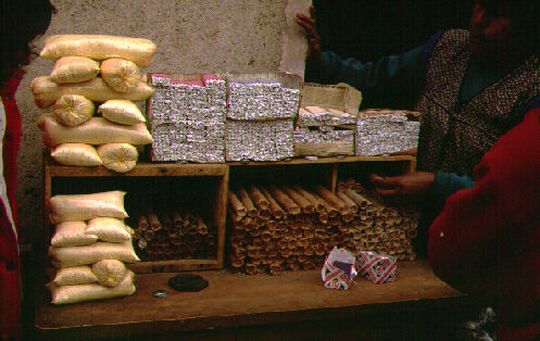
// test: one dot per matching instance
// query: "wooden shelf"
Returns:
(142, 169)
(326, 160)
(214, 169)
(235, 300)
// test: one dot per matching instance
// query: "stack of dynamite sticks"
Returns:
(174, 235)
(280, 228)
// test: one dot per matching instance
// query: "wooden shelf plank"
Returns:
(142, 169)
(234, 300)
(173, 169)
(346, 159)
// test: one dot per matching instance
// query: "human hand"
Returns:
(416, 184)
(309, 24)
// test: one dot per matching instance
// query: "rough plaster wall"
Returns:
(193, 36)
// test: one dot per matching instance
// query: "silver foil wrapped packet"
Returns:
(320, 143)
(259, 140)
(381, 132)
(261, 109)
(186, 117)
(261, 97)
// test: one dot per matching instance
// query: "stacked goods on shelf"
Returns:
(187, 118)
(384, 229)
(326, 121)
(293, 228)
(79, 83)
(174, 235)
(260, 113)
(90, 245)
(385, 131)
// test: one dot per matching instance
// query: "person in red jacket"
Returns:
(21, 21)
(486, 241)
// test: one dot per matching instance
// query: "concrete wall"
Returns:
(193, 36)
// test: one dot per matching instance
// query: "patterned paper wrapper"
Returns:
(376, 268)
(338, 271)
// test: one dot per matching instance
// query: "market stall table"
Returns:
(281, 306)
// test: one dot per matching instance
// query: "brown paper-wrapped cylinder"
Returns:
(142, 223)
(320, 206)
(258, 198)
(305, 205)
(285, 201)
(331, 198)
(239, 211)
(275, 269)
(153, 220)
(351, 205)
(243, 195)
(277, 211)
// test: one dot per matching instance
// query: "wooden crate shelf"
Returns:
(323, 170)
(213, 180)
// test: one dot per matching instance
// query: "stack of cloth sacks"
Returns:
(90, 245)
(94, 71)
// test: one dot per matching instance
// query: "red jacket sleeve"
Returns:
(487, 238)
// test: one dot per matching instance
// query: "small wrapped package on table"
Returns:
(260, 115)
(378, 269)
(186, 117)
(338, 270)
(384, 131)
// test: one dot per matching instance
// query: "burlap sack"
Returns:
(121, 111)
(77, 207)
(74, 69)
(62, 257)
(118, 157)
(96, 131)
(72, 233)
(76, 154)
(46, 92)
(99, 47)
(108, 229)
(89, 292)
(73, 110)
(74, 275)
(109, 272)
(120, 74)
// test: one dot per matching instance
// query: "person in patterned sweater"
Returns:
(21, 22)
(472, 87)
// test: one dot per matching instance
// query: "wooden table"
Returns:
(290, 305)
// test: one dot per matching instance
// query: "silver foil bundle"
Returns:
(259, 140)
(320, 143)
(263, 96)
(186, 117)
(385, 134)
(324, 118)
(317, 136)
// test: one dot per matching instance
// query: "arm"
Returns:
(435, 187)
(396, 78)
(446, 184)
